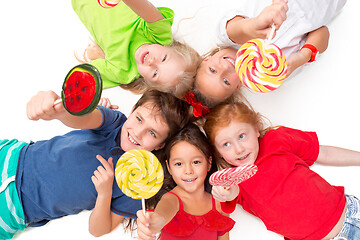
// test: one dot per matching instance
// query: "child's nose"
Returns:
(239, 148)
(188, 169)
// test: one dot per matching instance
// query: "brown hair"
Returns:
(222, 115)
(173, 110)
(138, 86)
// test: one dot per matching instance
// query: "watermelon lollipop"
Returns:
(82, 89)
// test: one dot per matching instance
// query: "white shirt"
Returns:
(303, 17)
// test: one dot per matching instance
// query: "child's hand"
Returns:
(225, 194)
(104, 176)
(41, 106)
(105, 102)
(149, 225)
(273, 14)
(143, 226)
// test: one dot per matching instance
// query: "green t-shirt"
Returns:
(120, 32)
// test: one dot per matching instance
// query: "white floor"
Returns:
(37, 42)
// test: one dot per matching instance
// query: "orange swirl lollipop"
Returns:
(261, 65)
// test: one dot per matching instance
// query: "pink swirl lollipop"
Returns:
(232, 176)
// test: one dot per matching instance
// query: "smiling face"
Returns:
(159, 65)
(144, 129)
(188, 166)
(238, 143)
(216, 76)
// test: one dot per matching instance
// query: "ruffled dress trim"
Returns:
(184, 224)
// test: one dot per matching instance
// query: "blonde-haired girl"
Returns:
(134, 47)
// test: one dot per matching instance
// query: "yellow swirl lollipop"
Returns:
(139, 174)
(261, 65)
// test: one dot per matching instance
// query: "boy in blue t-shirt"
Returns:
(50, 179)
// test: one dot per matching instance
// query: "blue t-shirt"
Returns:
(54, 176)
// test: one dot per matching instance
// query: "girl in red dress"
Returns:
(187, 211)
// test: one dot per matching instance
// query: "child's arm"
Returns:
(319, 38)
(145, 10)
(102, 220)
(336, 156)
(241, 30)
(41, 106)
(152, 223)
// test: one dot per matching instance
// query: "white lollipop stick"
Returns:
(143, 205)
(271, 34)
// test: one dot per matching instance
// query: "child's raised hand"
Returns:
(105, 102)
(225, 194)
(149, 225)
(104, 176)
(41, 106)
(273, 14)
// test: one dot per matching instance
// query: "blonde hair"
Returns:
(205, 100)
(139, 86)
(222, 115)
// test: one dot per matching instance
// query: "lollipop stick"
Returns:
(57, 101)
(143, 205)
(271, 34)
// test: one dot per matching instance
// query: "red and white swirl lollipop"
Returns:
(232, 176)
(261, 65)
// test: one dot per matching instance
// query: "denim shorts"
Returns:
(351, 226)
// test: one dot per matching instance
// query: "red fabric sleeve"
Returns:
(229, 207)
(303, 144)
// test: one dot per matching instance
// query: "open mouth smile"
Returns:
(132, 140)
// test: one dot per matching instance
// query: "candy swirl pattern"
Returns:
(261, 66)
(232, 176)
(108, 4)
(139, 174)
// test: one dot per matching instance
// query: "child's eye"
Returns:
(164, 58)
(212, 70)
(139, 119)
(197, 162)
(155, 73)
(153, 134)
(226, 82)
(227, 144)
(177, 164)
(242, 136)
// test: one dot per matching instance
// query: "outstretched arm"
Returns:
(335, 156)
(319, 38)
(152, 222)
(145, 9)
(41, 106)
(102, 220)
(241, 30)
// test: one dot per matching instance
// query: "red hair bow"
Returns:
(199, 110)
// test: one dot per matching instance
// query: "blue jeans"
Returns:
(351, 227)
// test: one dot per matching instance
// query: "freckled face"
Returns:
(216, 77)
(238, 143)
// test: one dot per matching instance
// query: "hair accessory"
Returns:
(199, 110)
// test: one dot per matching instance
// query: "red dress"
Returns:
(186, 226)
